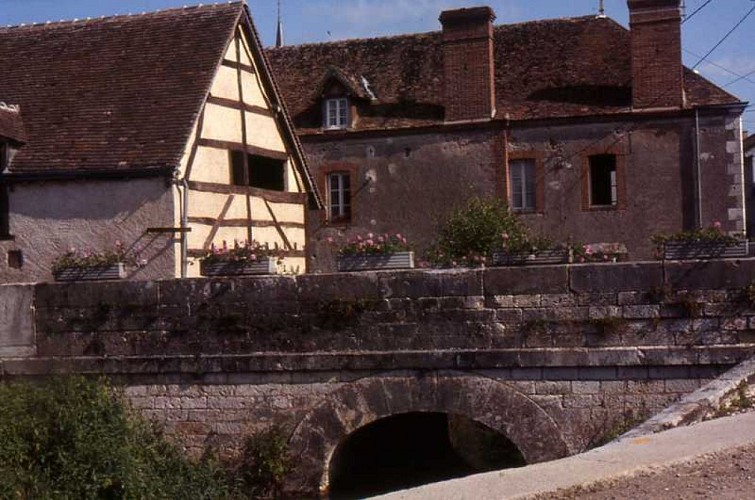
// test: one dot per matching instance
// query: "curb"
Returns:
(699, 405)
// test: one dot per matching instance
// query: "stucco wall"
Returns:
(49, 218)
(409, 183)
(404, 183)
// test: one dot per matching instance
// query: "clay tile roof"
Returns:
(544, 69)
(11, 124)
(112, 93)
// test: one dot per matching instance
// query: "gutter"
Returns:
(95, 174)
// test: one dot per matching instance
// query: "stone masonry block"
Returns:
(602, 312)
(414, 284)
(525, 280)
(345, 286)
(710, 274)
(586, 387)
(641, 312)
(616, 277)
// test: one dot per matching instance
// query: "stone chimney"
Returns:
(468, 67)
(657, 75)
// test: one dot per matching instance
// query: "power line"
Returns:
(724, 68)
(725, 37)
(696, 11)
(743, 77)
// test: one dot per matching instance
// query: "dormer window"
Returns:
(336, 113)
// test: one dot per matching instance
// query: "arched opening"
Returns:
(416, 448)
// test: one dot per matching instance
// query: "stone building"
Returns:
(164, 131)
(591, 131)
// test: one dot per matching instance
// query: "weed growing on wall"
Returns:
(264, 463)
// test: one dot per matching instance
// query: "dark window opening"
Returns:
(4, 212)
(603, 190)
(15, 259)
(260, 171)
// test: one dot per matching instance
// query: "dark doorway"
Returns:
(416, 448)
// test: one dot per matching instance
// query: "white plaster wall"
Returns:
(211, 165)
(49, 218)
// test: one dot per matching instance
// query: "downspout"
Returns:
(699, 183)
(182, 186)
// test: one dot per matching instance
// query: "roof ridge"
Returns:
(61, 22)
(437, 32)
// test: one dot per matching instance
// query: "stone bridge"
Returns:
(553, 358)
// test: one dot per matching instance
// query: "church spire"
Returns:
(279, 30)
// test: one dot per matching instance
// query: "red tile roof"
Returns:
(544, 69)
(11, 124)
(113, 93)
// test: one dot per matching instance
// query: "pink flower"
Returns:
(330, 240)
(717, 224)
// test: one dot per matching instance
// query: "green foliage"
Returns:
(375, 245)
(84, 259)
(264, 463)
(75, 438)
(472, 232)
(712, 234)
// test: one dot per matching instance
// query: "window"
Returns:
(522, 182)
(603, 181)
(339, 196)
(259, 171)
(336, 113)
(4, 212)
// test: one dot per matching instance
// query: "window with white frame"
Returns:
(339, 196)
(337, 113)
(522, 182)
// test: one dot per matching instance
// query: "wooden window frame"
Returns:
(537, 158)
(342, 106)
(333, 168)
(247, 170)
(621, 181)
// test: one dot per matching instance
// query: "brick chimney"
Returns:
(468, 68)
(657, 75)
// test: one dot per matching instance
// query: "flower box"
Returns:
(264, 265)
(683, 250)
(94, 273)
(397, 260)
(552, 256)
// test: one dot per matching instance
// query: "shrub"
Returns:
(264, 463)
(712, 234)
(74, 438)
(474, 231)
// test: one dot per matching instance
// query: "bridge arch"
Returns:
(492, 403)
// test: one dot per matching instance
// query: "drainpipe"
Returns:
(182, 186)
(699, 174)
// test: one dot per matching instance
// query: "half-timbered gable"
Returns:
(162, 131)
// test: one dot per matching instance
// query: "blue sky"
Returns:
(322, 20)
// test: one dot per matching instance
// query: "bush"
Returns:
(474, 231)
(264, 463)
(75, 438)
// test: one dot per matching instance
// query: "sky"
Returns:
(324, 20)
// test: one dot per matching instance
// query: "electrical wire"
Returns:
(696, 11)
(724, 38)
(724, 68)
(743, 77)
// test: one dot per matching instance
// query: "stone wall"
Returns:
(557, 358)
